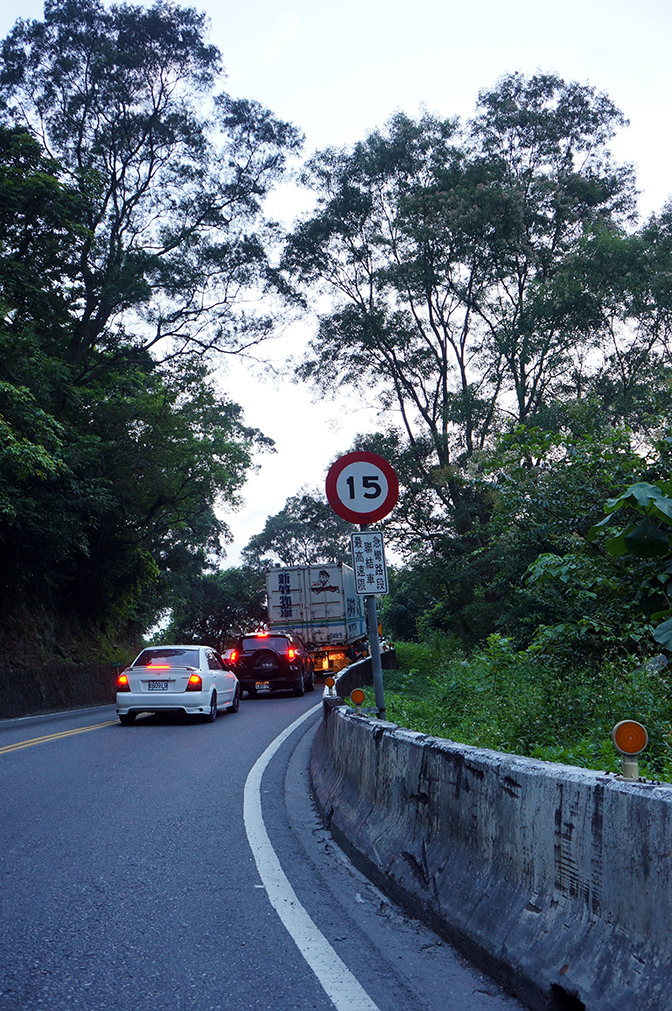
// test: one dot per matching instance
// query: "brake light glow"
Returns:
(122, 683)
(159, 666)
(195, 683)
(234, 656)
(291, 652)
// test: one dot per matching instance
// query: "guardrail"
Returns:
(554, 879)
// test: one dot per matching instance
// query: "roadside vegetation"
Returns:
(518, 702)
(488, 283)
(133, 255)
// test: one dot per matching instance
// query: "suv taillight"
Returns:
(195, 683)
(291, 652)
(122, 683)
(234, 656)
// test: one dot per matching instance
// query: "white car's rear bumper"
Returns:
(157, 702)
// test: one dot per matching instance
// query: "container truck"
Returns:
(319, 603)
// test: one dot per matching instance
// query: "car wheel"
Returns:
(235, 705)
(299, 686)
(310, 687)
(127, 719)
(212, 712)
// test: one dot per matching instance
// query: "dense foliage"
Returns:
(130, 229)
(489, 282)
(306, 531)
(557, 710)
(215, 608)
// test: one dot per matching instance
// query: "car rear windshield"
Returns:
(167, 658)
(274, 642)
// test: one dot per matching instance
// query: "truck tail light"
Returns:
(195, 683)
(122, 683)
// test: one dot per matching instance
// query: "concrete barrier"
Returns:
(555, 880)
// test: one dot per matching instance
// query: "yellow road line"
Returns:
(53, 737)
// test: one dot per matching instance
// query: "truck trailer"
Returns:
(319, 603)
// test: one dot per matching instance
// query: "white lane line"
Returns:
(337, 981)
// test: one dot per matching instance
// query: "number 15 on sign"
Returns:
(362, 487)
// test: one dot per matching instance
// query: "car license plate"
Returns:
(262, 684)
(157, 686)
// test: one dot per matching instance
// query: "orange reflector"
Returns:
(329, 682)
(357, 696)
(629, 737)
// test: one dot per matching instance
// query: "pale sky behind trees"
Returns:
(340, 69)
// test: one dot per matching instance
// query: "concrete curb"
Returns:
(555, 880)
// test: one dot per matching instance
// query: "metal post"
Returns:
(374, 647)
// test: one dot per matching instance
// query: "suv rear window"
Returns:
(167, 657)
(275, 642)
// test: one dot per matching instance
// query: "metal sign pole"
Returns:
(362, 488)
(374, 648)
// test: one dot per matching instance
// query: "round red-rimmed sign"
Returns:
(362, 487)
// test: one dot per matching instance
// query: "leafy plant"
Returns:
(515, 701)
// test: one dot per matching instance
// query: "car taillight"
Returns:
(234, 656)
(291, 652)
(122, 683)
(195, 683)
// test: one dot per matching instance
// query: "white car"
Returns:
(188, 679)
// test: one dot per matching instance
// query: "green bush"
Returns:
(527, 704)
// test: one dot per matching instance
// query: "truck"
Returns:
(319, 603)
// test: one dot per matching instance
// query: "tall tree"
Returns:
(306, 531)
(218, 607)
(445, 255)
(131, 240)
(171, 175)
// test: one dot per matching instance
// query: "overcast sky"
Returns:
(339, 69)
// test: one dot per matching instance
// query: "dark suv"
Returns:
(273, 660)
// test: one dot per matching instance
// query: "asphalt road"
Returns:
(128, 881)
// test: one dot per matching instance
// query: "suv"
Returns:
(273, 660)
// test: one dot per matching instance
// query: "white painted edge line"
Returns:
(337, 981)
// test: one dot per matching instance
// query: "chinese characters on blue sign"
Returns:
(368, 560)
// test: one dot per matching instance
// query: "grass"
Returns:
(528, 704)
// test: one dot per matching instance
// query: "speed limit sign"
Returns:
(362, 487)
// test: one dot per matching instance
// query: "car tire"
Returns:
(310, 687)
(237, 695)
(264, 661)
(127, 719)
(212, 712)
(299, 686)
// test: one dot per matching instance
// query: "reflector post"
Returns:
(357, 695)
(630, 738)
